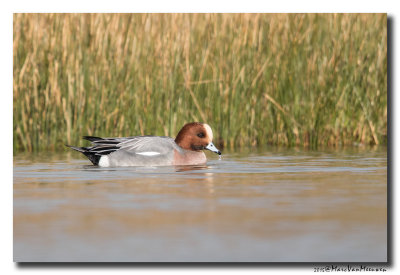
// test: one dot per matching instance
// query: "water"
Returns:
(273, 205)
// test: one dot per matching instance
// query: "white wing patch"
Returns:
(148, 153)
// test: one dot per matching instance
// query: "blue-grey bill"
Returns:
(212, 148)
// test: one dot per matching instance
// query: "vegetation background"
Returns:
(283, 79)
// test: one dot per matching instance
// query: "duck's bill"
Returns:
(212, 148)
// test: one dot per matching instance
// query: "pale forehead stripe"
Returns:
(209, 131)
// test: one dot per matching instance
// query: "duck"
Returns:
(186, 149)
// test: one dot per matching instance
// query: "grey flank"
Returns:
(127, 151)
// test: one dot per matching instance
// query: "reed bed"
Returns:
(257, 79)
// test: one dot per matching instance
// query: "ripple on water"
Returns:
(272, 205)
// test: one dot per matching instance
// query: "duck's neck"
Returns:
(184, 143)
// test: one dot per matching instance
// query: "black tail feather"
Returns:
(92, 156)
(102, 141)
(91, 138)
(101, 147)
(79, 149)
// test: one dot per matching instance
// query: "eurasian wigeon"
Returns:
(185, 149)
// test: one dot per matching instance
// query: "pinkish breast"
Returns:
(189, 158)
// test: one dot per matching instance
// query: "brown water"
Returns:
(268, 205)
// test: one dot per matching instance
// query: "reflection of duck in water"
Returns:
(186, 149)
(184, 168)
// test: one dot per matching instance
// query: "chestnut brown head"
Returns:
(196, 136)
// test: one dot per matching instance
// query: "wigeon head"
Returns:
(196, 136)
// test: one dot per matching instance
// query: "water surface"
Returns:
(271, 205)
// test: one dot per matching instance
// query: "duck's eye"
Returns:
(200, 135)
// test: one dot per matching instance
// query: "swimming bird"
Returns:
(186, 149)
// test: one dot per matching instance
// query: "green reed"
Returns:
(257, 79)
